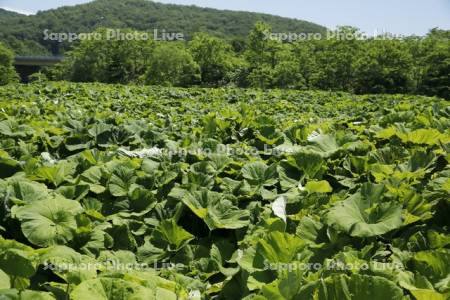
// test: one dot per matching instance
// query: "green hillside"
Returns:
(25, 33)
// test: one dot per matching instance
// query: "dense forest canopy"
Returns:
(25, 33)
(223, 48)
(414, 65)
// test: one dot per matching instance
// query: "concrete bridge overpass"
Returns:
(27, 65)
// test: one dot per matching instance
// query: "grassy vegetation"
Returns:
(251, 194)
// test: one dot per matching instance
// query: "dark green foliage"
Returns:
(384, 66)
(171, 64)
(334, 60)
(436, 64)
(223, 48)
(105, 60)
(377, 65)
(38, 77)
(215, 58)
(140, 15)
(7, 72)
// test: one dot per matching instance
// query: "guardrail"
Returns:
(37, 60)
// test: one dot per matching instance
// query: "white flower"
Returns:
(240, 254)
(301, 187)
(194, 294)
(151, 152)
(143, 153)
(48, 158)
(313, 136)
(279, 208)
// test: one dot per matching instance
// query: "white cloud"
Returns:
(18, 10)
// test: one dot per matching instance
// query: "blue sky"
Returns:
(395, 16)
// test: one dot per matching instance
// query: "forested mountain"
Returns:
(7, 15)
(24, 34)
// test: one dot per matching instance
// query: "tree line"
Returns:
(415, 65)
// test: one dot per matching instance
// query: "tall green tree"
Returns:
(261, 55)
(384, 66)
(335, 57)
(436, 64)
(305, 58)
(171, 64)
(261, 48)
(7, 71)
(215, 58)
(287, 72)
(107, 59)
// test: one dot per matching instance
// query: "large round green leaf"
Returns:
(279, 247)
(361, 217)
(4, 280)
(27, 191)
(309, 162)
(435, 265)
(16, 262)
(13, 294)
(16, 259)
(12, 128)
(215, 210)
(109, 288)
(175, 236)
(8, 165)
(48, 222)
(355, 287)
(68, 264)
(258, 173)
(318, 187)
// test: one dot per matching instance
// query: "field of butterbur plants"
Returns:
(121, 192)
